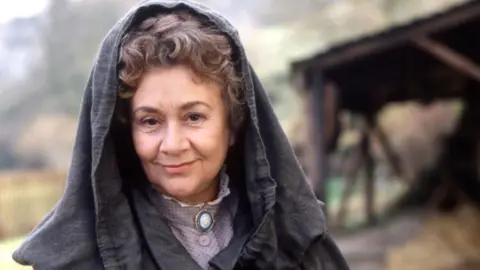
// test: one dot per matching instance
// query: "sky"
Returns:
(20, 8)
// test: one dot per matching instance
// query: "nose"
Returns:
(174, 141)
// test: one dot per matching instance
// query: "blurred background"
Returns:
(390, 142)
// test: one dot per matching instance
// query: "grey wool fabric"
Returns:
(104, 219)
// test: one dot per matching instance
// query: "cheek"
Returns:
(146, 146)
(211, 142)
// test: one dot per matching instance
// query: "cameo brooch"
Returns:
(204, 221)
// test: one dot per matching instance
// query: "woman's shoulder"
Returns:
(323, 253)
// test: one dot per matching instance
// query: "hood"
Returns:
(94, 216)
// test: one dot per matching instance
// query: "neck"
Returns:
(206, 196)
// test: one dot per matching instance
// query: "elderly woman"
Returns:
(179, 161)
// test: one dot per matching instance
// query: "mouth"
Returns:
(177, 168)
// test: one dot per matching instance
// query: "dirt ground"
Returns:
(417, 241)
(368, 249)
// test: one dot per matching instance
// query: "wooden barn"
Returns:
(426, 60)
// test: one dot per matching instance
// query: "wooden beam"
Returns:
(392, 158)
(448, 56)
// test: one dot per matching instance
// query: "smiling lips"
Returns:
(178, 168)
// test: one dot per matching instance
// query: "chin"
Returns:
(176, 190)
(179, 193)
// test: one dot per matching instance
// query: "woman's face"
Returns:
(180, 133)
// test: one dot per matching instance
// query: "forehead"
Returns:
(174, 86)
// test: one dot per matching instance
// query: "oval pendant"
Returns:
(204, 221)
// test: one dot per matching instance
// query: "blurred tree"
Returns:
(7, 157)
(69, 38)
(271, 12)
(57, 54)
(72, 34)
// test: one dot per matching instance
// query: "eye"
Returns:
(149, 124)
(195, 118)
(150, 121)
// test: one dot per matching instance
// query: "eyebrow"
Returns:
(146, 109)
(192, 104)
(185, 106)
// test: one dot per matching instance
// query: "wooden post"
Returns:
(369, 170)
(318, 169)
(351, 166)
(369, 178)
(477, 157)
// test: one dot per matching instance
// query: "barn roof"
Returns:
(391, 66)
(366, 45)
